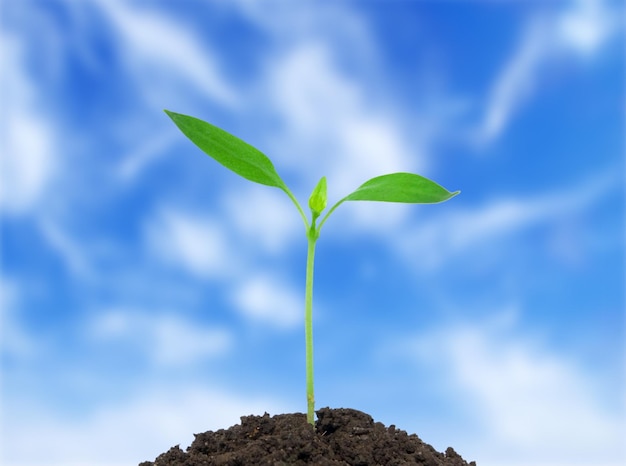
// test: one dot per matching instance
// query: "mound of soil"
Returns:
(340, 437)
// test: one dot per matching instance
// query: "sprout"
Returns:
(253, 165)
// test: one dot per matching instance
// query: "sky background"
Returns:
(147, 293)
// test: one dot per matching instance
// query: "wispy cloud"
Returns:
(537, 406)
(263, 218)
(232, 250)
(28, 161)
(139, 428)
(516, 80)
(262, 298)
(586, 25)
(581, 30)
(464, 230)
(137, 159)
(192, 242)
(165, 339)
(69, 248)
(155, 46)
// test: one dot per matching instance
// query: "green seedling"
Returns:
(253, 165)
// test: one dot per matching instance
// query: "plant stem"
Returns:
(297, 204)
(308, 323)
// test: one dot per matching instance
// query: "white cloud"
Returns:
(266, 216)
(460, 230)
(128, 433)
(167, 339)
(586, 26)
(323, 106)
(197, 244)
(516, 81)
(28, 161)
(339, 23)
(533, 405)
(263, 298)
(371, 145)
(307, 85)
(156, 48)
(582, 30)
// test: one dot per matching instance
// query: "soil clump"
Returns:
(340, 437)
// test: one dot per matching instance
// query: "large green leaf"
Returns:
(401, 187)
(229, 150)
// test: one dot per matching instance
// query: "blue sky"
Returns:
(147, 293)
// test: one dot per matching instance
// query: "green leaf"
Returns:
(401, 187)
(229, 150)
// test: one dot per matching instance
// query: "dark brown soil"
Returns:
(340, 437)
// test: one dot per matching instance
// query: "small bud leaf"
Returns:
(318, 199)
